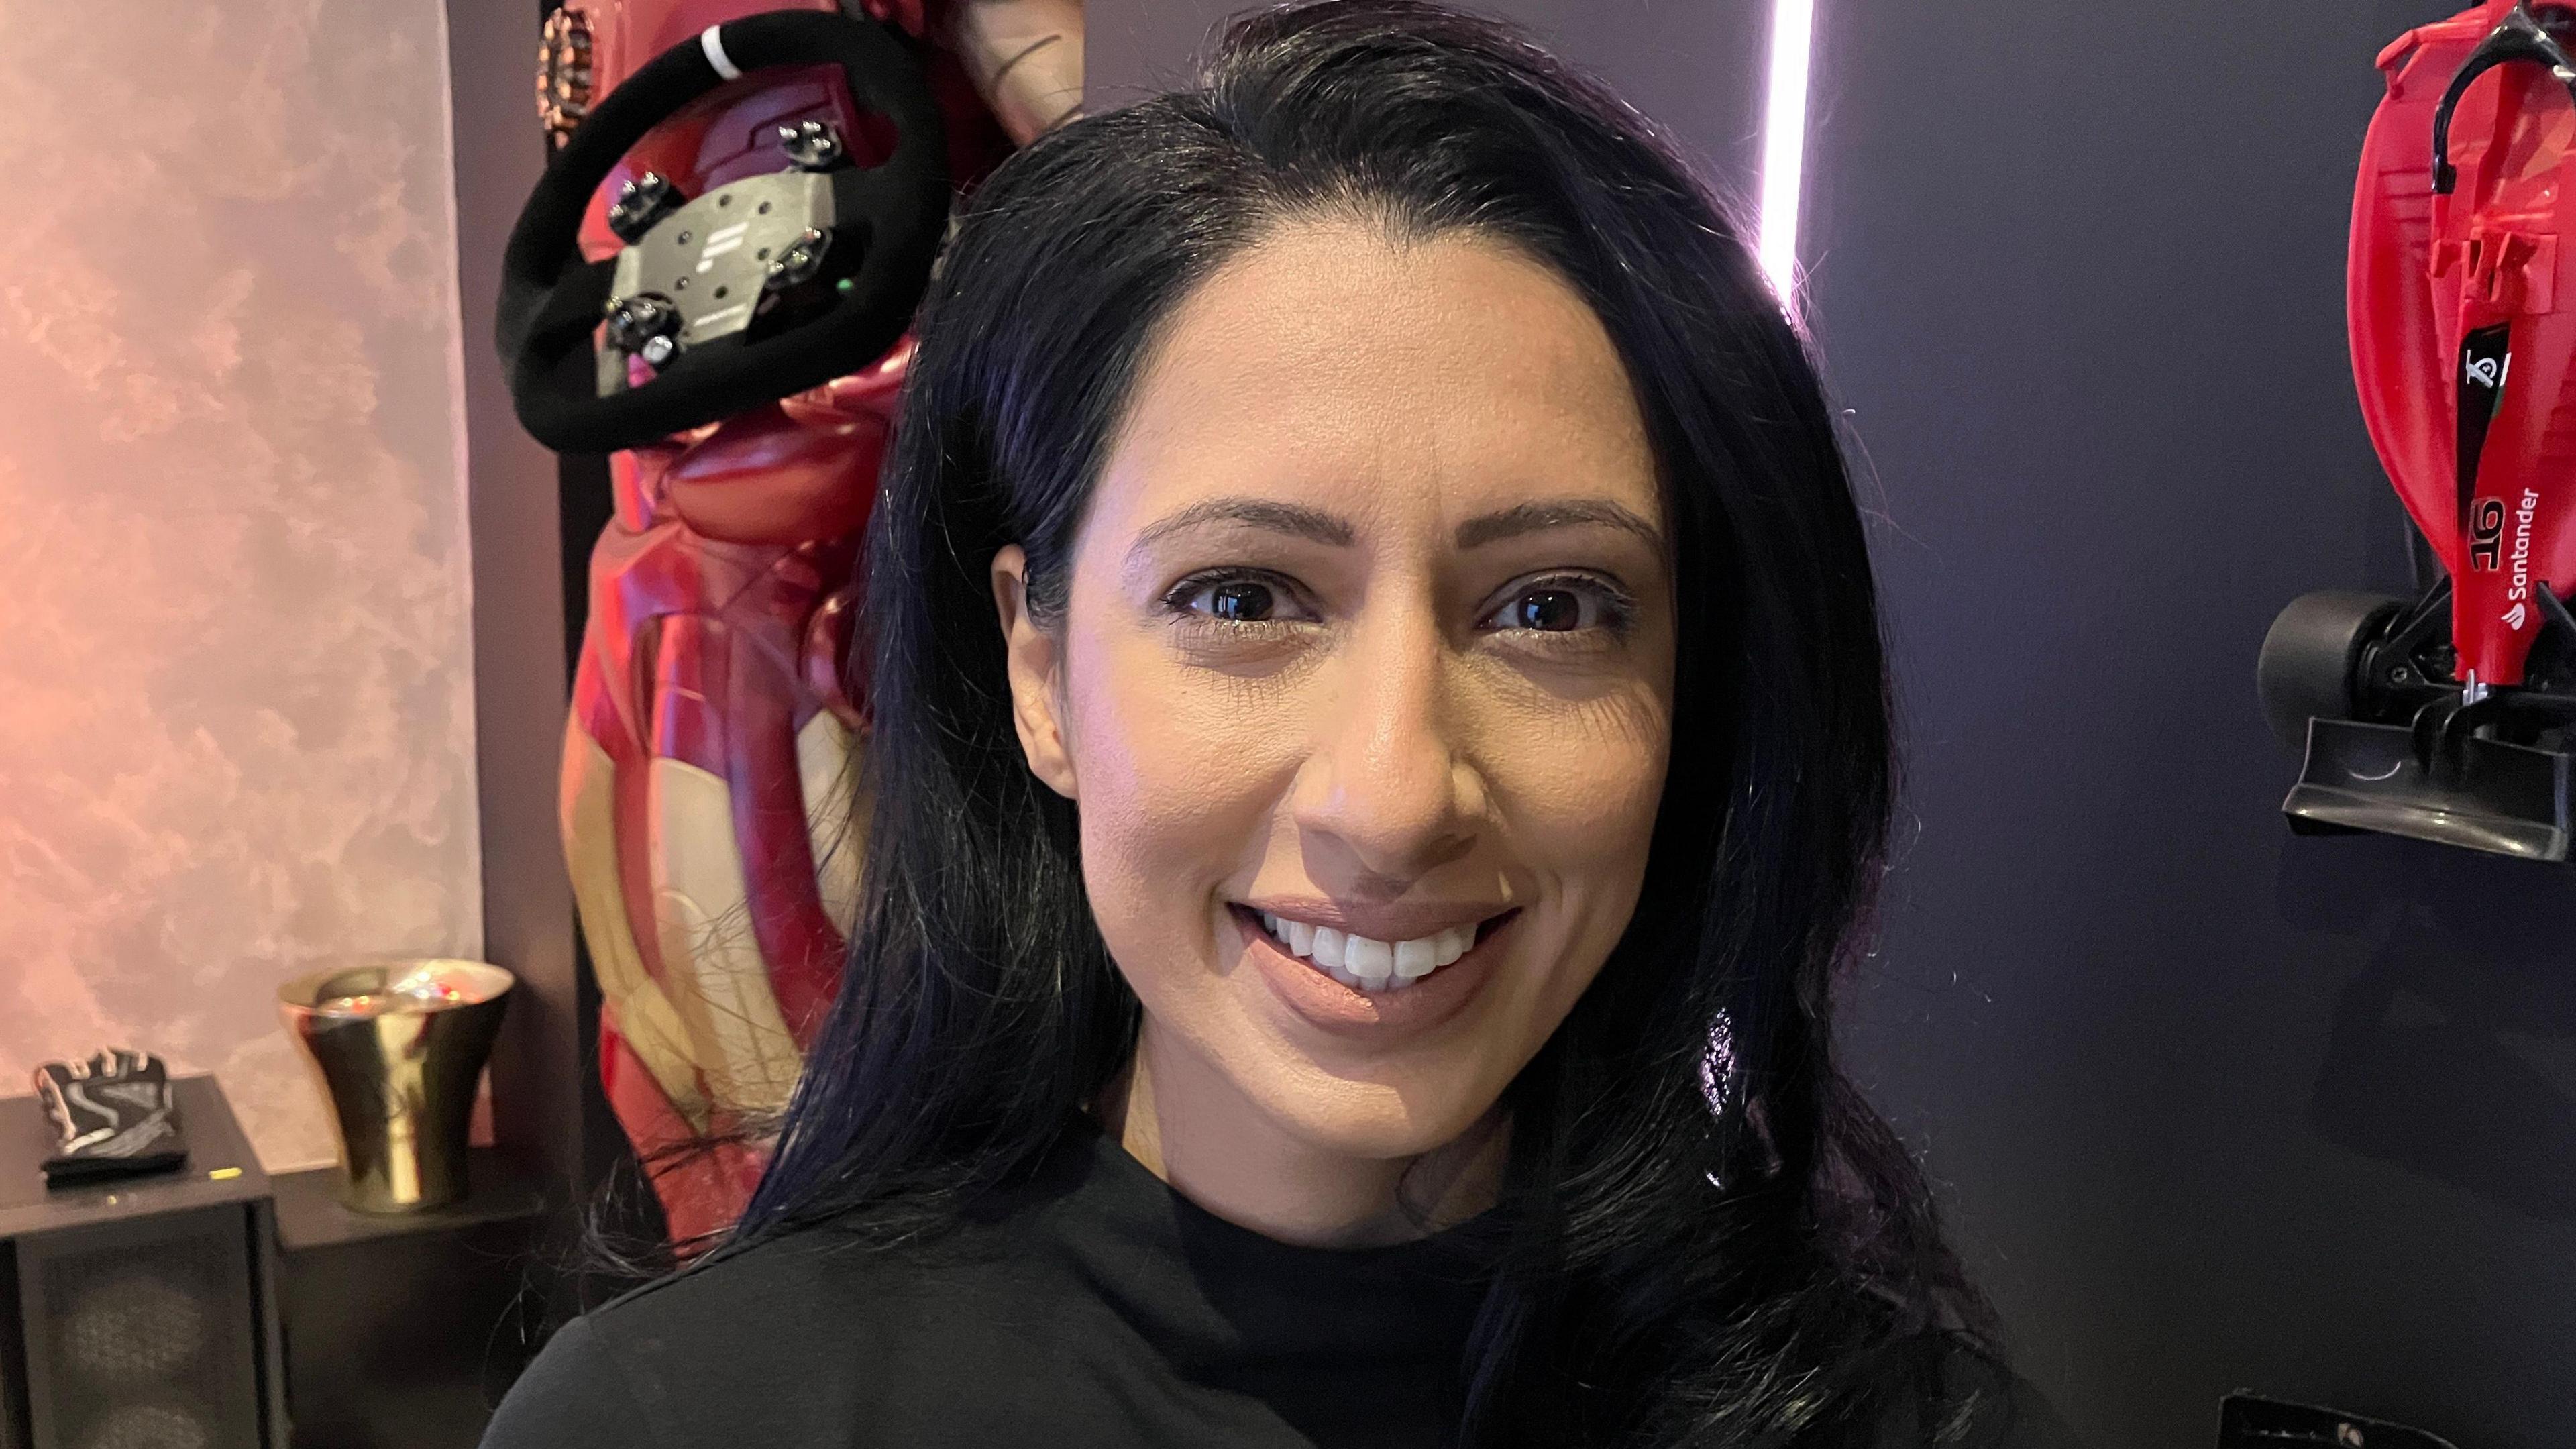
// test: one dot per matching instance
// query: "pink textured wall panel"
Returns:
(236, 728)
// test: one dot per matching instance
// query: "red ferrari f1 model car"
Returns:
(2447, 718)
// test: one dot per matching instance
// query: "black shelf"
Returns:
(403, 1329)
(309, 1213)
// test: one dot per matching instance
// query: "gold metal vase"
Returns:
(400, 1046)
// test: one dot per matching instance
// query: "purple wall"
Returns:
(1695, 65)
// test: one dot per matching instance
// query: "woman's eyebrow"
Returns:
(1556, 513)
(1294, 519)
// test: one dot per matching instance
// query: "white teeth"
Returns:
(1328, 948)
(1365, 963)
(1416, 958)
(1369, 960)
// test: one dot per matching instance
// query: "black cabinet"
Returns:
(140, 1310)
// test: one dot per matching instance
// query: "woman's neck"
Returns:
(1185, 1121)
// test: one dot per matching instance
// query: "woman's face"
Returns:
(1363, 686)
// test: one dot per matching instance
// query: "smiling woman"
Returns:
(1363, 657)
(1348, 959)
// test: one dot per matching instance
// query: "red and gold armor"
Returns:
(710, 810)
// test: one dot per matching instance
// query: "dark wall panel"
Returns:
(519, 644)
(2217, 1107)
(1694, 65)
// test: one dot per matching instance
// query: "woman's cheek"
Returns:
(1170, 775)
(1579, 785)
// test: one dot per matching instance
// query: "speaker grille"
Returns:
(13, 1356)
(150, 1426)
(139, 1334)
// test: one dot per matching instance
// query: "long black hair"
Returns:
(1714, 1239)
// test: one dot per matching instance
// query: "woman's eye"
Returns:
(1554, 610)
(1558, 606)
(1235, 600)
(1240, 602)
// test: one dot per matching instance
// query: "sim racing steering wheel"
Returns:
(759, 288)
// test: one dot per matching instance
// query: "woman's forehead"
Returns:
(1333, 364)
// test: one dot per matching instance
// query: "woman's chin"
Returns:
(1375, 1120)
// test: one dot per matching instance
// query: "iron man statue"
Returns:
(710, 811)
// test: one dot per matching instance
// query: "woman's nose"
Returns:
(1386, 796)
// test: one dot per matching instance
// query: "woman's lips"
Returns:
(1337, 1006)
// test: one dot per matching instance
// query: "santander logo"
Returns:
(2518, 585)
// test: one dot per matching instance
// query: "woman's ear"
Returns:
(1035, 658)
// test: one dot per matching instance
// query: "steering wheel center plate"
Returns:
(708, 270)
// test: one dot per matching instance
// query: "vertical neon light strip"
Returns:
(1784, 140)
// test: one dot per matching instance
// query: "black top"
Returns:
(1097, 1307)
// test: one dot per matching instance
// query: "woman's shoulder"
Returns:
(1978, 1403)
(753, 1336)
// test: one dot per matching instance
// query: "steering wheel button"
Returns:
(798, 263)
(641, 204)
(634, 322)
(812, 145)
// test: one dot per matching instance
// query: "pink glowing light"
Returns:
(1784, 139)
